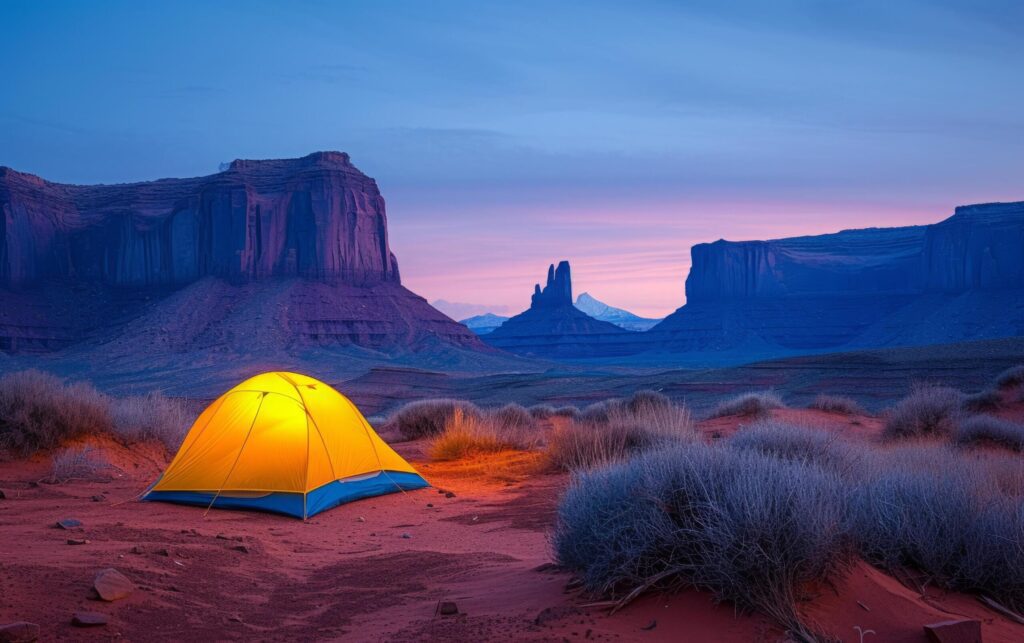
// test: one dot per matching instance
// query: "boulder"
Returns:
(19, 632)
(964, 631)
(88, 619)
(112, 585)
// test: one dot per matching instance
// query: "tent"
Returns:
(286, 443)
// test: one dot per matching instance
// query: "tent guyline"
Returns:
(254, 448)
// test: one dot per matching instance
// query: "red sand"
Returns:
(349, 573)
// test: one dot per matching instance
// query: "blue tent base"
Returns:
(320, 499)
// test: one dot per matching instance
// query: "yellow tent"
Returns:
(286, 443)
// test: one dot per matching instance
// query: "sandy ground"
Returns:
(377, 569)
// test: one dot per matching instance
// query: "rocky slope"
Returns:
(266, 254)
(618, 316)
(554, 327)
(957, 280)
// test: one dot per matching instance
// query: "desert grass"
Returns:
(754, 404)
(151, 417)
(1011, 377)
(989, 430)
(39, 411)
(428, 418)
(989, 399)
(753, 529)
(76, 463)
(467, 434)
(836, 404)
(617, 431)
(928, 411)
(786, 441)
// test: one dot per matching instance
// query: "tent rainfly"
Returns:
(285, 443)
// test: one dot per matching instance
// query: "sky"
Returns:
(507, 136)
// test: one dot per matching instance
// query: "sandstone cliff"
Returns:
(960, 279)
(299, 244)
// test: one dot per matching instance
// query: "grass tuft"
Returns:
(39, 411)
(755, 404)
(836, 404)
(929, 411)
(76, 463)
(985, 429)
(427, 418)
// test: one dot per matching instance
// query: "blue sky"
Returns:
(505, 136)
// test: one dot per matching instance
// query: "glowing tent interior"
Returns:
(285, 443)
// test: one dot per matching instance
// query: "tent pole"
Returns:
(263, 396)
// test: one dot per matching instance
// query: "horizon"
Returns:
(503, 143)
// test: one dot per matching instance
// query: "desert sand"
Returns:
(378, 569)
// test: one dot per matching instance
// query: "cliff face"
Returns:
(317, 217)
(263, 256)
(554, 327)
(962, 278)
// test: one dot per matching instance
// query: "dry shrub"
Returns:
(987, 400)
(513, 416)
(756, 404)
(39, 411)
(753, 529)
(151, 417)
(1011, 377)
(801, 443)
(836, 404)
(985, 429)
(929, 411)
(541, 411)
(622, 431)
(427, 418)
(76, 463)
(467, 434)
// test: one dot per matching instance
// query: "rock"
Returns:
(88, 619)
(163, 552)
(3, 496)
(78, 541)
(406, 535)
(965, 631)
(241, 548)
(69, 523)
(449, 494)
(136, 549)
(360, 519)
(447, 608)
(112, 585)
(430, 504)
(98, 498)
(19, 632)
(554, 327)
(221, 537)
(650, 626)
(315, 221)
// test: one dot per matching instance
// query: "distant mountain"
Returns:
(483, 324)
(460, 310)
(621, 318)
(553, 327)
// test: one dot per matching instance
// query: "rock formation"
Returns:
(956, 280)
(553, 327)
(301, 245)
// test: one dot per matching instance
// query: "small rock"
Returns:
(88, 619)
(360, 519)
(19, 632)
(405, 534)
(448, 608)
(112, 585)
(441, 491)
(235, 619)
(136, 549)
(69, 523)
(163, 552)
(449, 494)
(222, 537)
(650, 626)
(965, 631)
(98, 498)
(241, 548)
(430, 504)
(78, 541)
(3, 495)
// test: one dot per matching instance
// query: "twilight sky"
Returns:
(506, 136)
